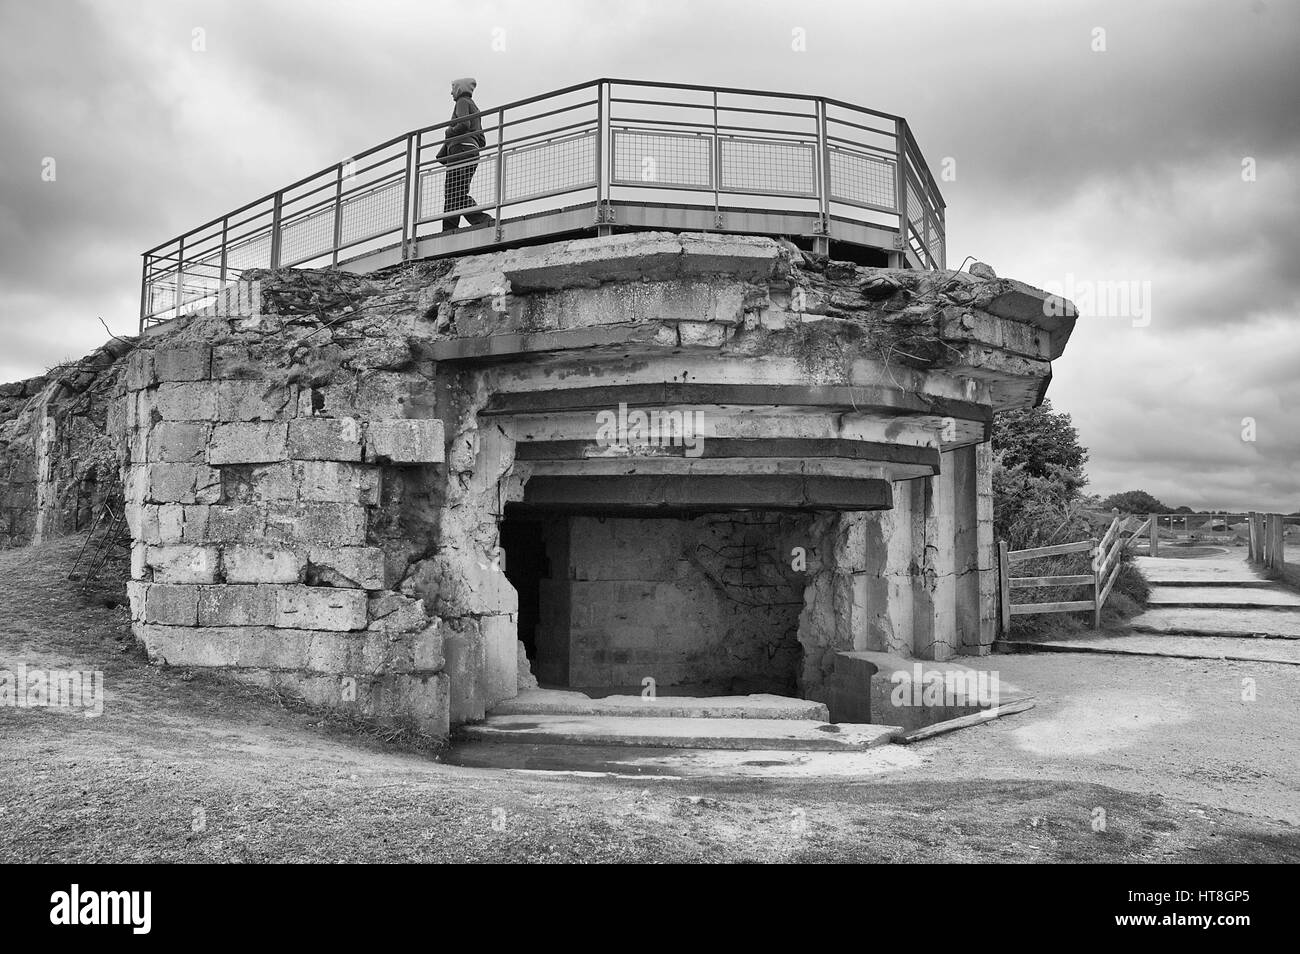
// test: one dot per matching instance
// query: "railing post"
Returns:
(1154, 548)
(180, 274)
(408, 238)
(144, 289)
(501, 171)
(822, 243)
(900, 187)
(225, 234)
(275, 230)
(1004, 586)
(715, 174)
(604, 154)
(600, 142)
(338, 214)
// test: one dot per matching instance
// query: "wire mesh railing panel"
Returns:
(307, 236)
(550, 167)
(161, 296)
(761, 165)
(863, 179)
(373, 212)
(662, 159)
(254, 252)
(479, 181)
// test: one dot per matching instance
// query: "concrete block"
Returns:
(135, 590)
(312, 607)
(394, 613)
(190, 401)
(182, 483)
(316, 524)
(248, 443)
(325, 438)
(172, 604)
(406, 441)
(500, 659)
(178, 442)
(236, 523)
(237, 605)
(336, 482)
(183, 564)
(251, 400)
(139, 370)
(242, 483)
(139, 560)
(262, 564)
(182, 363)
(701, 333)
(353, 567)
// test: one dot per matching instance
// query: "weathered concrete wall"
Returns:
(58, 464)
(265, 471)
(315, 468)
(711, 603)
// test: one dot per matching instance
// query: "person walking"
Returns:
(459, 154)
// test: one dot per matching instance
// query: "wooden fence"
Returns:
(1106, 558)
(1268, 545)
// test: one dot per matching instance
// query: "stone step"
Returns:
(1229, 596)
(1170, 645)
(568, 702)
(681, 733)
(1238, 621)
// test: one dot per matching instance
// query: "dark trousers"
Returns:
(456, 195)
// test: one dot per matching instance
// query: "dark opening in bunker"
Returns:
(701, 604)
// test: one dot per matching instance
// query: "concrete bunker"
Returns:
(712, 461)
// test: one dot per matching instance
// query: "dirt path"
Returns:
(194, 769)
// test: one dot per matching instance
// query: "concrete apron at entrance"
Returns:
(557, 730)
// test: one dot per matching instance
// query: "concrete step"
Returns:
(1238, 621)
(1224, 648)
(757, 706)
(681, 733)
(1224, 596)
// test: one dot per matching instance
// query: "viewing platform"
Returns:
(601, 157)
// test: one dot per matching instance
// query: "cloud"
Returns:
(1097, 167)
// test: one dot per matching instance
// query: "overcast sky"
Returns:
(1094, 146)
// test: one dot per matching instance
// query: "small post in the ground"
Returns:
(1155, 534)
(1004, 586)
(1096, 583)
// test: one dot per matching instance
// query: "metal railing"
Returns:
(602, 155)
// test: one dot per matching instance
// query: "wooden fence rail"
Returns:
(1107, 553)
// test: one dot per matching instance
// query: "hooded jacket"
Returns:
(465, 133)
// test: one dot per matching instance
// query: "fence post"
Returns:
(408, 231)
(1096, 583)
(275, 230)
(1252, 537)
(822, 243)
(338, 215)
(1004, 587)
(1155, 534)
(144, 290)
(180, 275)
(501, 172)
(900, 188)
